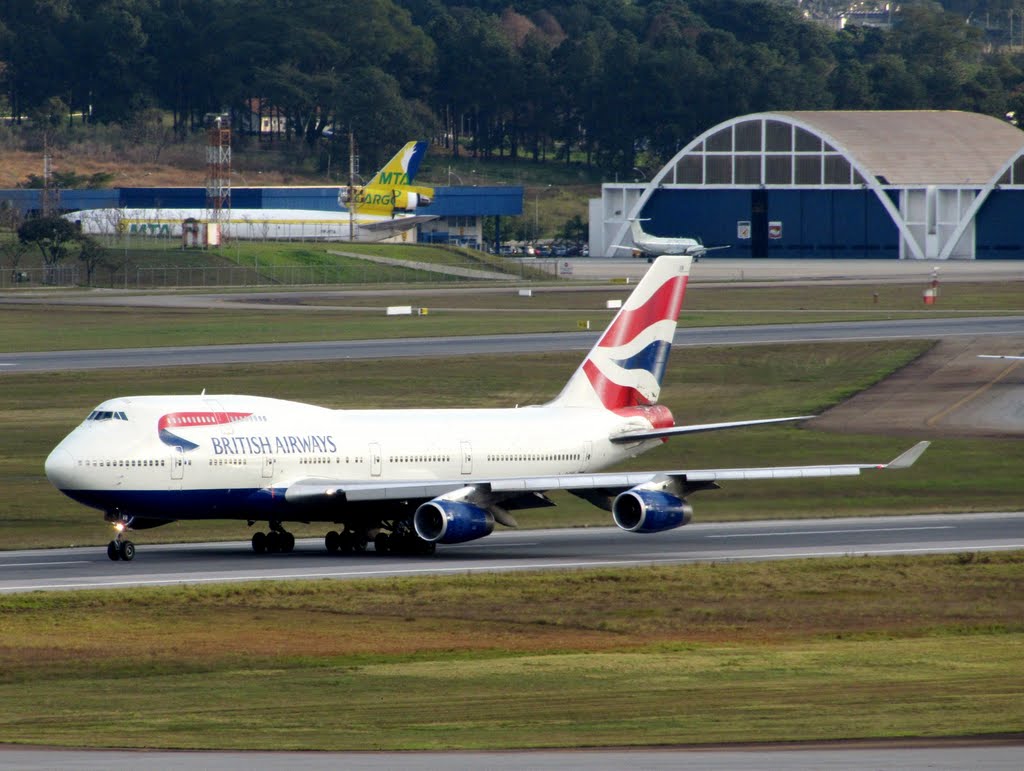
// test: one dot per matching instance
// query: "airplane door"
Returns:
(467, 457)
(588, 448)
(177, 463)
(375, 459)
(268, 467)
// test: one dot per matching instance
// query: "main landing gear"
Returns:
(121, 549)
(277, 541)
(401, 540)
(346, 542)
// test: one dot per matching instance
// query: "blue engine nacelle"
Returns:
(649, 511)
(444, 521)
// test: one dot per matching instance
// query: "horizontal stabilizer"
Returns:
(661, 433)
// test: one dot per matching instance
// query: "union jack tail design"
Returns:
(626, 366)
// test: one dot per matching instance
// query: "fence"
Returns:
(137, 277)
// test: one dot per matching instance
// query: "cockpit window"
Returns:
(106, 415)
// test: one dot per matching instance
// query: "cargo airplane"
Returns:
(407, 480)
(388, 206)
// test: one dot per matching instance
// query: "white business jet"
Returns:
(407, 480)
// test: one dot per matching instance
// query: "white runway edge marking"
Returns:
(834, 532)
(507, 568)
(36, 564)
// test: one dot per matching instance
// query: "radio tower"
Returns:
(218, 171)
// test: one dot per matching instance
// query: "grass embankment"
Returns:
(473, 311)
(701, 386)
(800, 650)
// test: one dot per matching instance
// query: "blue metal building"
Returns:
(459, 210)
(834, 184)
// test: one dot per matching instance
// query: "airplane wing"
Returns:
(660, 433)
(527, 492)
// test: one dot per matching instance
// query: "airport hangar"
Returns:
(459, 209)
(934, 185)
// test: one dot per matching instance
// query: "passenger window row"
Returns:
(419, 459)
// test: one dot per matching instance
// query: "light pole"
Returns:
(536, 212)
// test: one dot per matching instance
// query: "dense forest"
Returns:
(614, 83)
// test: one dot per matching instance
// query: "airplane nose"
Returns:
(59, 468)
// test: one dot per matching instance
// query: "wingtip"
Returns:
(909, 457)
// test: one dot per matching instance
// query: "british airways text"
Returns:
(270, 445)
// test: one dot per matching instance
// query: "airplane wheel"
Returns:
(332, 541)
(259, 542)
(127, 551)
(113, 552)
(273, 542)
(287, 541)
(359, 542)
(382, 543)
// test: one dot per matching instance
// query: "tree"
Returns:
(92, 255)
(53, 237)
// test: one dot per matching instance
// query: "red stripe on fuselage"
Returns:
(195, 419)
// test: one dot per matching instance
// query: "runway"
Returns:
(943, 755)
(164, 565)
(262, 353)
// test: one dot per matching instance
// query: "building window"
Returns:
(808, 169)
(806, 142)
(778, 137)
(837, 170)
(721, 141)
(690, 170)
(778, 169)
(719, 170)
(748, 170)
(748, 136)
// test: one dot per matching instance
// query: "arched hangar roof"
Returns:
(919, 147)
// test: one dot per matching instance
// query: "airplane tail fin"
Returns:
(401, 170)
(626, 366)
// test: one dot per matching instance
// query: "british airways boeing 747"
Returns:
(407, 480)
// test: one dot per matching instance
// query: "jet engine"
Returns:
(445, 521)
(649, 511)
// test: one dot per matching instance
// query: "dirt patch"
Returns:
(948, 391)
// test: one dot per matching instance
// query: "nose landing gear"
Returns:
(121, 548)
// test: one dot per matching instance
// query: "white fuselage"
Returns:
(247, 224)
(193, 457)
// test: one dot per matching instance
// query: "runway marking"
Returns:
(35, 564)
(833, 532)
(978, 392)
(465, 569)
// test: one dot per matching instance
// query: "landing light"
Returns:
(119, 527)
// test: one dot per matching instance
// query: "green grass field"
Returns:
(779, 651)
(484, 311)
